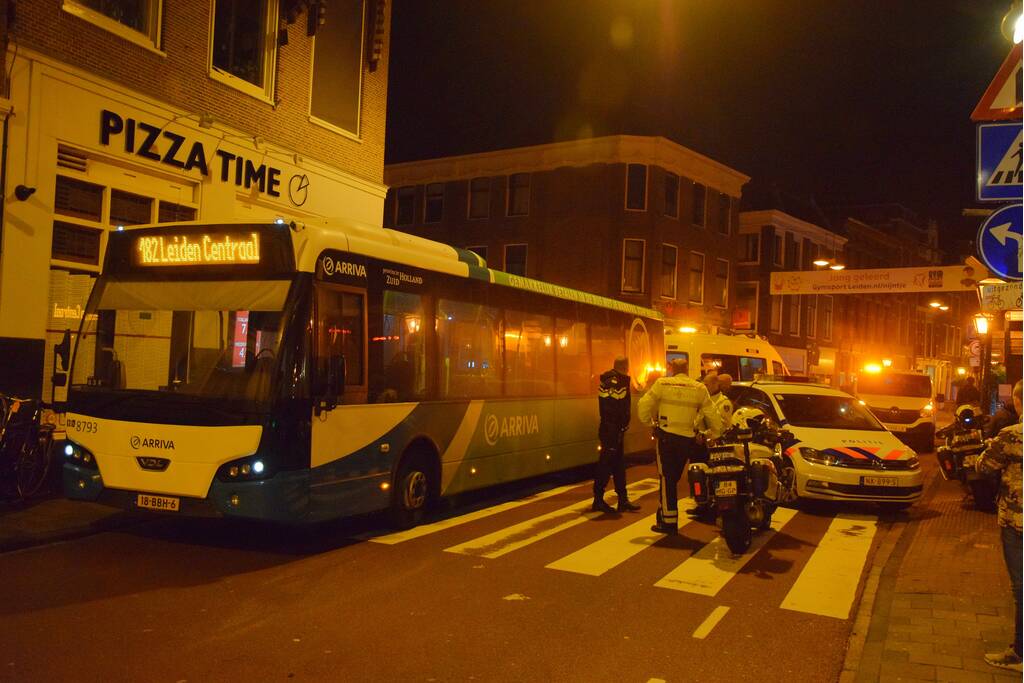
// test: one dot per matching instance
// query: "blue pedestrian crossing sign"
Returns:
(999, 162)
(999, 242)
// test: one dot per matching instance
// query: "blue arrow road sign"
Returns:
(999, 162)
(999, 242)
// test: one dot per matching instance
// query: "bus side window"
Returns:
(719, 362)
(777, 368)
(341, 332)
(750, 366)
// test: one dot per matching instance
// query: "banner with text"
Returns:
(876, 280)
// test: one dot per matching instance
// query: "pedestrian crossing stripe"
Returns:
(1009, 172)
(517, 536)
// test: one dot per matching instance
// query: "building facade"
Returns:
(640, 219)
(129, 112)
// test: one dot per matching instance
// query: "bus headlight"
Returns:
(245, 469)
(76, 455)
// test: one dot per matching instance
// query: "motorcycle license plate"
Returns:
(725, 488)
(165, 503)
(897, 428)
(880, 481)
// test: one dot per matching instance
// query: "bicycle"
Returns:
(25, 442)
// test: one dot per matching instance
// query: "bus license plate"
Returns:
(880, 481)
(164, 503)
(725, 488)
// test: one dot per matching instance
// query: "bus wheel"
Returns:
(412, 493)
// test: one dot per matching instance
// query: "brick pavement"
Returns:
(942, 600)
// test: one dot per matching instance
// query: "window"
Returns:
(338, 67)
(515, 259)
(744, 316)
(776, 319)
(751, 248)
(405, 205)
(810, 315)
(724, 214)
(696, 284)
(340, 333)
(469, 347)
(826, 317)
(777, 252)
(636, 187)
(75, 243)
(794, 315)
(480, 251)
(134, 20)
(606, 344)
(78, 199)
(433, 205)
(573, 360)
(669, 256)
(519, 194)
(793, 254)
(170, 212)
(672, 195)
(633, 265)
(397, 351)
(722, 282)
(699, 204)
(480, 198)
(243, 48)
(130, 209)
(529, 355)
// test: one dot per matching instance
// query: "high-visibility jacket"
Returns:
(674, 404)
(724, 407)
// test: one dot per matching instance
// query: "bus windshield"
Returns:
(213, 339)
(916, 386)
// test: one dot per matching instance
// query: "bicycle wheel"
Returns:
(32, 465)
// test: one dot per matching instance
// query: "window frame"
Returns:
(757, 248)
(811, 317)
(779, 249)
(526, 260)
(410, 190)
(755, 313)
(151, 40)
(723, 301)
(703, 273)
(826, 332)
(725, 202)
(675, 271)
(772, 327)
(469, 199)
(643, 265)
(313, 118)
(266, 92)
(675, 214)
(704, 206)
(508, 194)
(647, 178)
(426, 203)
(795, 324)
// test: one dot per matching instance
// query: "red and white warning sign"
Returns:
(1002, 98)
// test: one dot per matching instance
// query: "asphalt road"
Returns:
(501, 592)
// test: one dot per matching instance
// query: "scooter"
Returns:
(957, 457)
(743, 489)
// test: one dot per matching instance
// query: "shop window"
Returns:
(722, 282)
(669, 256)
(515, 259)
(469, 348)
(696, 282)
(135, 20)
(700, 197)
(433, 206)
(636, 187)
(519, 194)
(130, 209)
(405, 205)
(173, 213)
(78, 199)
(633, 265)
(75, 243)
(480, 198)
(672, 195)
(397, 351)
(529, 354)
(243, 47)
(338, 66)
(573, 361)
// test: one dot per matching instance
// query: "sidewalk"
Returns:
(938, 598)
(55, 519)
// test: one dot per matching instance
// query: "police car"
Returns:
(839, 450)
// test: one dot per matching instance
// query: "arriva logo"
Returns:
(332, 267)
(512, 425)
(138, 442)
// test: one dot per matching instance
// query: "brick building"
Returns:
(641, 219)
(124, 112)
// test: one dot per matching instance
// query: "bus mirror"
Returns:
(59, 379)
(63, 351)
(330, 383)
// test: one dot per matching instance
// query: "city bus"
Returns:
(297, 372)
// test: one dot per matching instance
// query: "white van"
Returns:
(744, 357)
(903, 402)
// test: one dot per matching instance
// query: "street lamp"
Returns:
(982, 323)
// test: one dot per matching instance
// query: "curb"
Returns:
(878, 588)
(24, 542)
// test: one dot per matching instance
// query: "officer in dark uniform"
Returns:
(613, 402)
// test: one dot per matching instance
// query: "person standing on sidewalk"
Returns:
(613, 402)
(1003, 457)
(672, 405)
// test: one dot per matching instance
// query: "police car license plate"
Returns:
(165, 503)
(880, 481)
(725, 488)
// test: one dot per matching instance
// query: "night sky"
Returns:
(846, 102)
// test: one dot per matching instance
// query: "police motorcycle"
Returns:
(740, 480)
(963, 443)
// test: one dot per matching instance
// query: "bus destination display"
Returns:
(197, 250)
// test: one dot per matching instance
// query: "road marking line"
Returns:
(655, 680)
(417, 532)
(828, 583)
(525, 533)
(705, 628)
(614, 549)
(708, 570)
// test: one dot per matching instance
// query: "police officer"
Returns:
(716, 385)
(721, 398)
(673, 404)
(613, 402)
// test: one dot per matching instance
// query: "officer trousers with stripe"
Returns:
(673, 453)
